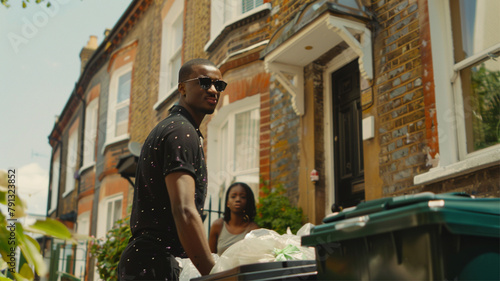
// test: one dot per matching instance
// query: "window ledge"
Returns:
(85, 167)
(114, 141)
(486, 159)
(67, 192)
(164, 99)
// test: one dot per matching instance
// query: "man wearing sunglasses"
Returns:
(171, 184)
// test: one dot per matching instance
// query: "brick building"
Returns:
(380, 97)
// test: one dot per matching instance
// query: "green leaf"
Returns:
(24, 4)
(3, 174)
(50, 227)
(27, 272)
(4, 2)
(3, 195)
(3, 265)
(19, 277)
(5, 246)
(30, 250)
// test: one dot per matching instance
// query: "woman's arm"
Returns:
(214, 234)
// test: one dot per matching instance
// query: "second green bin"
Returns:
(413, 237)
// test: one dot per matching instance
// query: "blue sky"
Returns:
(39, 66)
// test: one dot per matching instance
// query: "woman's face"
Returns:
(237, 199)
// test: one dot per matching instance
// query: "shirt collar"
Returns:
(182, 111)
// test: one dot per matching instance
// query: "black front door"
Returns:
(348, 143)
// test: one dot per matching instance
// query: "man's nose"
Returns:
(212, 89)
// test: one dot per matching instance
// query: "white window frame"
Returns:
(83, 223)
(63, 254)
(83, 228)
(71, 162)
(91, 115)
(453, 157)
(80, 259)
(111, 117)
(218, 22)
(56, 165)
(169, 52)
(222, 174)
(102, 221)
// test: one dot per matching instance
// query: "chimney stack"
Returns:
(87, 51)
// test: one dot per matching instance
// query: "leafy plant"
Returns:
(13, 235)
(275, 212)
(108, 251)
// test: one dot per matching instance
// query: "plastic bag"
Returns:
(265, 245)
(290, 252)
(188, 270)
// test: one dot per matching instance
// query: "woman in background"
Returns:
(239, 214)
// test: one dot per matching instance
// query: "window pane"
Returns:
(90, 132)
(71, 161)
(177, 28)
(481, 93)
(175, 66)
(248, 5)
(475, 24)
(55, 183)
(121, 127)
(109, 218)
(247, 140)
(349, 3)
(117, 212)
(124, 87)
(114, 213)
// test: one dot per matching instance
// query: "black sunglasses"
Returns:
(206, 83)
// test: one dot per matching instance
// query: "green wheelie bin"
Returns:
(426, 236)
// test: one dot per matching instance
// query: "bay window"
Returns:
(465, 49)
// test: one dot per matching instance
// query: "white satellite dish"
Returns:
(135, 148)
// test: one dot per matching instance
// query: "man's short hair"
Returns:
(187, 68)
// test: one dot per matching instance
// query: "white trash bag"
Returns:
(265, 245)
(188, 270)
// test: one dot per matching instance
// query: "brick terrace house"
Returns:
(381, 98)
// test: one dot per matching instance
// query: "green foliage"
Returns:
(275, 212)
(108, 251)
(486, 107)
(14, 235)
(25, 3)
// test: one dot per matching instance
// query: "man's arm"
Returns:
(181, 189)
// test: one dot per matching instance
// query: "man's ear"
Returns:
(181, 88)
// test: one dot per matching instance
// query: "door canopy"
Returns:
(317, 28)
